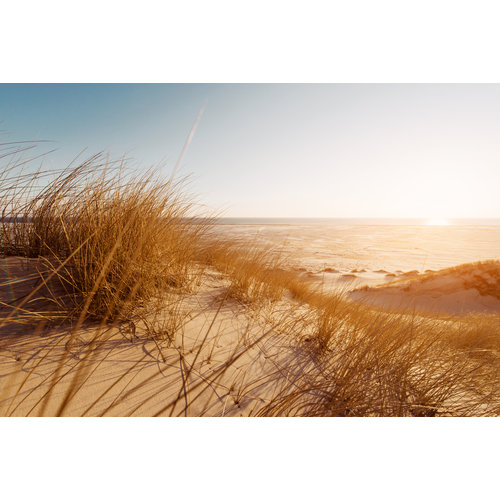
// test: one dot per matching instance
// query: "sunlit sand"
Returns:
(382, 253)
(391, 270)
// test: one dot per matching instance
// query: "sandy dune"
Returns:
(125, 373)
(129, 375)
(469, 288)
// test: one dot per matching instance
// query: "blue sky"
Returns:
(286, 150)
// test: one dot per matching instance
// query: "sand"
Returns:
(470, 288)
(128, 375)
(125, 373)
(353, 256)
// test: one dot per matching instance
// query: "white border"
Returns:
(261, 41)
(258, 41)
(389, 458)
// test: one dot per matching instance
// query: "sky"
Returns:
(284, 150)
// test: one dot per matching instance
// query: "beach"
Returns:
(130, 373)
(331, 251)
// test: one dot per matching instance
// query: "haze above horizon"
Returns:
(427, 151)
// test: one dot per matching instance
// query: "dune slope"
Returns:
(469, 288)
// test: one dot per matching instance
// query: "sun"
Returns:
(437, 222)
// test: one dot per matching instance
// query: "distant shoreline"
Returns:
(311, 221)
(354, 221)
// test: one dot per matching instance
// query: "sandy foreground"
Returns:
(126, 373)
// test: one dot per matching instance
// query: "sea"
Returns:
(372, 221)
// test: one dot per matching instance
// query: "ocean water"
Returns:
(337, 221)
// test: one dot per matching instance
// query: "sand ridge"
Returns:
(469, 288)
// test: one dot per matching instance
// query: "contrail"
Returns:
(189, 139)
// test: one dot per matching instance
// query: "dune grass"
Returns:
(111, 241)
(256, 274)
(122, 261)
(361, 362)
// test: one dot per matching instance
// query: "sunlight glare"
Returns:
(437, 222)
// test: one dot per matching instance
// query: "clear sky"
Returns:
(286, 150)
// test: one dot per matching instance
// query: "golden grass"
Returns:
(119, 255)
(362, 362)
(256, 274)
(112, 241)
